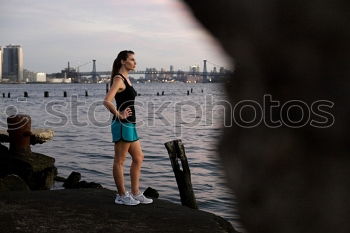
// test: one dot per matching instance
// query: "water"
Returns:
(82, 140)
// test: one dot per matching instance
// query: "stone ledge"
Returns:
(93, 210)
(38, 136)
(37, 170)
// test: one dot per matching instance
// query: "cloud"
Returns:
(162, 32)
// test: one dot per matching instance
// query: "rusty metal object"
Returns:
(19, 129)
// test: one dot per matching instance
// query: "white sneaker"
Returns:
(142, 199)
(126, 199)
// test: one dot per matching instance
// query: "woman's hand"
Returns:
(125, 114)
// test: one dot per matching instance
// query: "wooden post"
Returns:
(9, 95)
(65, 94)
(162, 92)
(3, 95)
(19, 130)
(107, 88)
(46, 94)
(188, 92)
(191, 90)
(26, 94)
(176, 151)
(86, 93)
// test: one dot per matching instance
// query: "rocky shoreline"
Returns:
(28, 205)
(93, 210)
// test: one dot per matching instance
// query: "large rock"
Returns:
(13, 183)
(73, 182)
(37, 170)
(151, 193)
(287, 179)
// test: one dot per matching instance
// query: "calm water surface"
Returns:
(82, 140)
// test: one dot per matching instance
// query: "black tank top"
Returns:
(126, 99)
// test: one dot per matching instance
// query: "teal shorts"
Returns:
(125, 132)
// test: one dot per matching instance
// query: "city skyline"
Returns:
(12, 71)
(161, 33)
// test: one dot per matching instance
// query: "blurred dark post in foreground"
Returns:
(295, 176)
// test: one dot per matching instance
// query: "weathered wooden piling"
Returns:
(157, 93)
(26, 94)
(19, 130)
(9, 95)
(162, 92)
(64, 94)
(86, 93)
(176, 151)
(3, 95)
(46, 94)
(107, 88)
(191, 90)
(188, 92)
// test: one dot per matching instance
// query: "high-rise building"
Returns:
(13, 63)
(0, 64)
(194, 68)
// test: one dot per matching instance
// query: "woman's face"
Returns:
(130, 62)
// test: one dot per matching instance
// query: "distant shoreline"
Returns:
(105, 83)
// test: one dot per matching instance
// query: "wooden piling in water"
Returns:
(191, 90)
(64, 94)
(107, 88)
(46, 94)
(26, 94)
(188, 92)
(162, 92)
(176, 151)
(86, 93)
(3, 95)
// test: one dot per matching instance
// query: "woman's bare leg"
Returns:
(135, 168)
(121, 149)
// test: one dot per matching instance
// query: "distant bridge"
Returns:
(205, 74)
(172, 73)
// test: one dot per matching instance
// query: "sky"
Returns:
(160, 32)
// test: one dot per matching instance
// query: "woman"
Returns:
(124, 133)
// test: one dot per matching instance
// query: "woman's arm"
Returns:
(117, 85)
